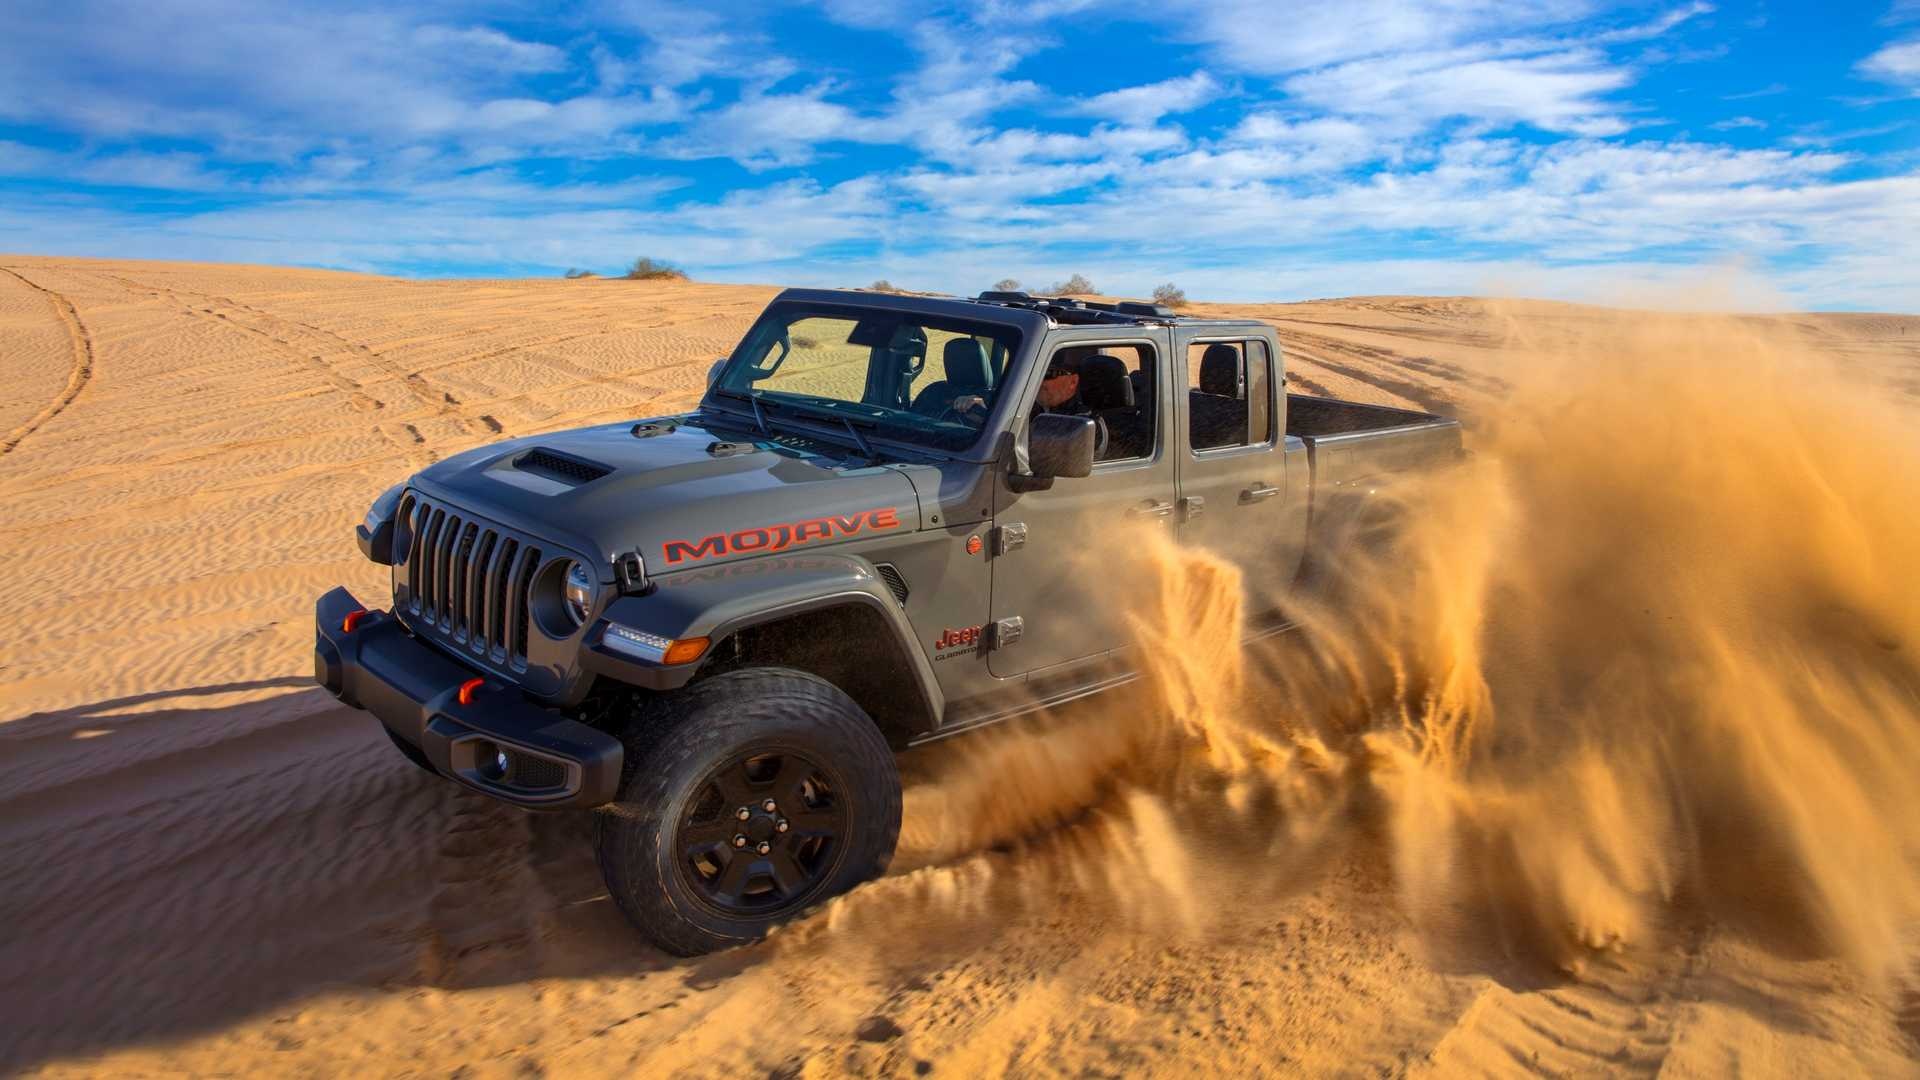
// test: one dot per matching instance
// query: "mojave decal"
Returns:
(786, 534)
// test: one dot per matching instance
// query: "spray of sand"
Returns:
(1648, 658)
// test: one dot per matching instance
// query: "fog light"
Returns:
(491, 760)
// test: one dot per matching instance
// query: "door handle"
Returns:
(1258, 493)
(1151, 509)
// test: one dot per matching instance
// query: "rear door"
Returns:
(1238, 494)
(1078, 561)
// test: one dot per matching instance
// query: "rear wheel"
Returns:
(746, 799)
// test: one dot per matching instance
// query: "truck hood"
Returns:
(682, 493)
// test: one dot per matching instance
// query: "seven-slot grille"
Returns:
(467, 580)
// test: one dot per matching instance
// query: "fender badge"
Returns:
(973, 545)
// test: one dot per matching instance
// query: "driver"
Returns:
(1060, 388)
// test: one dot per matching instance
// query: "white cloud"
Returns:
(1898, 63)
(1141, 106)
(1558, 91)
(1247, 36)
(279, 81)
(768, 130)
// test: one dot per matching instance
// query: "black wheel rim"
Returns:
(761, 833)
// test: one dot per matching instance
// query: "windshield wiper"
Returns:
(759, 414)
(860, 440)
(753, 402)
(829, 414)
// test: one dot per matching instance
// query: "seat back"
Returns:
(1220, 370)
(968, 372)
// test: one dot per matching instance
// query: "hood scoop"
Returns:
(562, 467)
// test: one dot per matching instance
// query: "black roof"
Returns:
(1060, 309)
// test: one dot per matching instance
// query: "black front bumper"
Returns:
(498, 743)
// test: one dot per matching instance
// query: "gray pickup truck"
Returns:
(889, 520)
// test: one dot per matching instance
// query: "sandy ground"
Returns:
(207, 866)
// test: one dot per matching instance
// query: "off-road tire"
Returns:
(676, 741)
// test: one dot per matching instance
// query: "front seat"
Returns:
(1106, 390)
(967, 373)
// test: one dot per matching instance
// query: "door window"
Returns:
(1116, 388)
(1229, 394)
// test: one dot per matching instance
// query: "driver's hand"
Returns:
(969, 404)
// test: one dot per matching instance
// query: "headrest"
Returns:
(1070, 359)
(966, 361)
(1104, 383)
(1220, 370)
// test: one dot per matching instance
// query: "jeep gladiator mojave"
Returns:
(870, 533)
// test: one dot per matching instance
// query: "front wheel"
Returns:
(746, 799)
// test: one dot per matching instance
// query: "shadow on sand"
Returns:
(172, 871)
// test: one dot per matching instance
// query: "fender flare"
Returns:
(720, 601)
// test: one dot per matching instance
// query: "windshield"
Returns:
(901, 375)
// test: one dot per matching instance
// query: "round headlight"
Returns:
(579, 590)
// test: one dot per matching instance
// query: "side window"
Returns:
(1229, 394)
(1115, 385)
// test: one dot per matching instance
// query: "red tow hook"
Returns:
(352, 620)
(467, 688)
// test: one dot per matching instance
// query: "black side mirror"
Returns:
(1060, 445)
(713, 373)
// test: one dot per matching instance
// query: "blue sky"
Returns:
(1243, 150)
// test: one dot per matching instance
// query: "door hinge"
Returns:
(1007, 631)
(1192, 507)
(1008, 537)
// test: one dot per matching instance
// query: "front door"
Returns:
(1078, 561)
(1237, 495)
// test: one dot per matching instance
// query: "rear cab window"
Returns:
(1230, 387)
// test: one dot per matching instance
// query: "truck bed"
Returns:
(1351, 443)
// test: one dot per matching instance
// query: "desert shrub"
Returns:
(883, 285)
(1170, 295)
(575, 275)
(1006, 284)
(645, 269)
(1077, 285)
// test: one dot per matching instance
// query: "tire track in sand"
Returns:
(356, 393)
(488, 908)
(1909, 1018)
(1616, 1019)
(77, 378)
(411, 448)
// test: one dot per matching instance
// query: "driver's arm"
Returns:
(970, 406)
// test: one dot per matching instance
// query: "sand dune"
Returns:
(209, 866)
